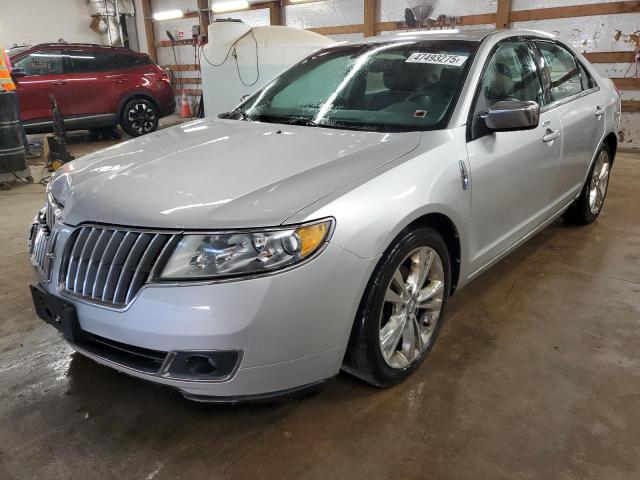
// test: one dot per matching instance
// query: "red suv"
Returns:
(95, 87)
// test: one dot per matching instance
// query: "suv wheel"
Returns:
(139, 117)
(402, 309)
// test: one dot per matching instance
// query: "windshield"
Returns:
(399, 86)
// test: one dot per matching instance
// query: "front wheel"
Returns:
(139, 117)
(402, 309)
(589, 204)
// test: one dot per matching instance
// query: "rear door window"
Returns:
(566, 80)
(42, 62)
(91, 61)
(123, 60)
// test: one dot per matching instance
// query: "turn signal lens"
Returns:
(311, 237)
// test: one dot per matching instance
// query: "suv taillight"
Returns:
(165, 78)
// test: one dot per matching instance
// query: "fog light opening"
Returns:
(201, 365)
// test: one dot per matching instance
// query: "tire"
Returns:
(588, 205)
(139, 117)
(384, 301)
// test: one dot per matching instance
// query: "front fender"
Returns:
(371, 212)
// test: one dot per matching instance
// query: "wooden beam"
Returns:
(610, 57)
(586, 10)
(194, 92)
(148, 29)
(631, 106)
(339, 30)
(203, 15)
(187, 81)
(275, 13)
(627, 83)
(503, 12)
(182, 68)
(370, 17)
(286, 3)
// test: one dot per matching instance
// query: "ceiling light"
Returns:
(229, 5)
(168, 15)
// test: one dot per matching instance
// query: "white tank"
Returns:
(240, 59)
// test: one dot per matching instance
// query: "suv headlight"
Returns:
(220, 255)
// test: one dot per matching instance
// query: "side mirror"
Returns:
(512, 115)
(243, 98)
(18, 72)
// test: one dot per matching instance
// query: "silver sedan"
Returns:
(325, 222)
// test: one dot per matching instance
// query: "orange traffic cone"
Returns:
(185, 112)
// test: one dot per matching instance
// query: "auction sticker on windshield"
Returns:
(437, 59)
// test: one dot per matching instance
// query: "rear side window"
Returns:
(90, 61)
(566, 80)
(43, 62)
(130, 61)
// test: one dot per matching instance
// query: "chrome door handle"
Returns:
(59, 82)
(599, 111)
(551, 136)
(119, 80)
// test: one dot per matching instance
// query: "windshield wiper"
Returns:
(305, 122)
(238, 111)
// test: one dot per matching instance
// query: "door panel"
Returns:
(44, 75)
(580, 108)
(511, 172)
(97, 81)
(582, 132)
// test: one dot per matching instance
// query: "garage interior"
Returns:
(536, 373)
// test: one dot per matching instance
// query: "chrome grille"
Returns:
(42, 246)
(108, 265)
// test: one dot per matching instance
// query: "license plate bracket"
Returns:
(58, 313)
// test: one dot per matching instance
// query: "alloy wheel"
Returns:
(141, 117)
(412, 306)
(599, 182)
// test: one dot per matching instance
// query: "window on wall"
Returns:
(566, 79)
(43, 62)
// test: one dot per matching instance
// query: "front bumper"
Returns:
(291, 328)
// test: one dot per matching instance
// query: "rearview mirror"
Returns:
(512, 115)
(18, 72)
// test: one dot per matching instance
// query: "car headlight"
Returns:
(220, 255)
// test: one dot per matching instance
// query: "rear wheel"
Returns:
(589, 204)
(139, 117)
(402, 309)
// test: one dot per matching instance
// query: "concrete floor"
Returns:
(536, 375)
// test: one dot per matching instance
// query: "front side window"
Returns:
(43, 62)
(565, 76)
(511, 74)
(383, 87)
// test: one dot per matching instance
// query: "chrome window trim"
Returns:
(564, 101)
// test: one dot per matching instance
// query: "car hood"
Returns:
(219, 174)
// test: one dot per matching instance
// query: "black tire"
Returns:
(139, 117)
(581, 212)
(364, 358)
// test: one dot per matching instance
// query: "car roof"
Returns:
(84, 45)
(470, 35)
